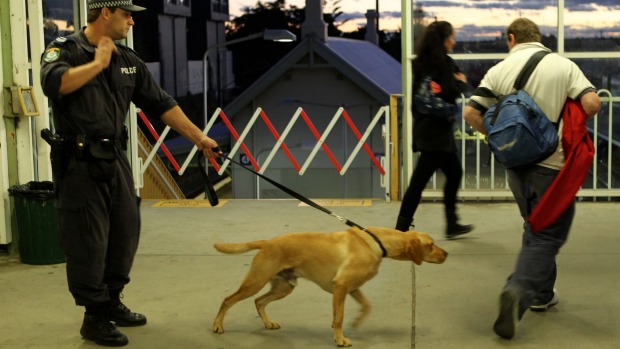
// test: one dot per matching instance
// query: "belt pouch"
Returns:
(102, 160)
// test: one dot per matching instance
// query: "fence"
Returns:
(381, 165)
(485, 179)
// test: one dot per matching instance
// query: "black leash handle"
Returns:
(210, 192)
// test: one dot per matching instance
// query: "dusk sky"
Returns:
(481, 18)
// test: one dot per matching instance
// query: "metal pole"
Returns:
(205, 74)
(377, 20)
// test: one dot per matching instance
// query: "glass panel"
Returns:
(480, 25)
(476, 69)
(591, 19)
(603, 73)
(57, 19)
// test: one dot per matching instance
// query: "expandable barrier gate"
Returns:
(280, 144)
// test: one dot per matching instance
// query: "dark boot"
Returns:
(98, 329)
(120, 314)
(123, 317)
(403, 223)
(453, 228)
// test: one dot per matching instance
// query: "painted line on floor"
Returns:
(340, 202)
(187, 203)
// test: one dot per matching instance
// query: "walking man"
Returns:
(531, 285)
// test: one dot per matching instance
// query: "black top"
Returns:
(99, 108)
(432, 133)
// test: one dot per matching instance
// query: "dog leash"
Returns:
(310, 203)
(209, 190)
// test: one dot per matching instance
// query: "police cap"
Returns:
(124, 4)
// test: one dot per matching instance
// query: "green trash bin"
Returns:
(37, 223)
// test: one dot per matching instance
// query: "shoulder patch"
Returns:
(51, 54)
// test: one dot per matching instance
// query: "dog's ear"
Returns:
(414, 250)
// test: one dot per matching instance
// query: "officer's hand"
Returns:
(209, 148)
(103, 52)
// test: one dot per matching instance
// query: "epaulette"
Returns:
(63, 39)
(127, 48)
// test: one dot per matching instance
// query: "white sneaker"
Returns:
(543, 307)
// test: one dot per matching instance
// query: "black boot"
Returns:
(453, 228)
(456, 229)
(97, 328)
(403, 223)
(123, 317)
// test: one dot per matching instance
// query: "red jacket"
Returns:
(579, 152)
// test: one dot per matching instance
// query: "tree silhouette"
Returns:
(251, 59)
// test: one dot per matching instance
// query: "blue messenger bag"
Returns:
(518, 131)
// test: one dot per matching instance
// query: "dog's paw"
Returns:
(344, 342)
(272, 325)
(218, 328)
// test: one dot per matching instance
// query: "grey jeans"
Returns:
(536, 271)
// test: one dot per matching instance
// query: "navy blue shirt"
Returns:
(99, 108)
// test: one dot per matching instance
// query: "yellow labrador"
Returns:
(339, 262)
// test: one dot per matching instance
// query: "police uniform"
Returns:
(98, 208)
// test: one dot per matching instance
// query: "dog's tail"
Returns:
(236, 248)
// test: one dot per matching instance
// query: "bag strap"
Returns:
(528, 69)
(484, 92)
(522, 78)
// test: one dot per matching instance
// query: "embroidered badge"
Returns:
(52, 54)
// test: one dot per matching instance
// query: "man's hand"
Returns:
(474, 118)
(103, 52)
(209, 148)
(76, 77)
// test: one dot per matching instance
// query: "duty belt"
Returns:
(81, 142)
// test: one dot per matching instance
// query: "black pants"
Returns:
(99, 228)
(428, 163)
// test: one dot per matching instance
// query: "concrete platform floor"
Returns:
(179, 281)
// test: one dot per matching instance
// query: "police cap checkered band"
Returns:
(124, 4)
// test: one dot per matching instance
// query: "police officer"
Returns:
(90, 82)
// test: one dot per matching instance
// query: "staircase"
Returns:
(158, 183)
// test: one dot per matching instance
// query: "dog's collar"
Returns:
(374, 237)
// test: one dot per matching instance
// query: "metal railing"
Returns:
(485, 179)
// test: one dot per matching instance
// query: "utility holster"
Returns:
(57, 154)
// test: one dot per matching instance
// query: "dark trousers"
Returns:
(428, 163)
(99, 228)
(535, 273)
